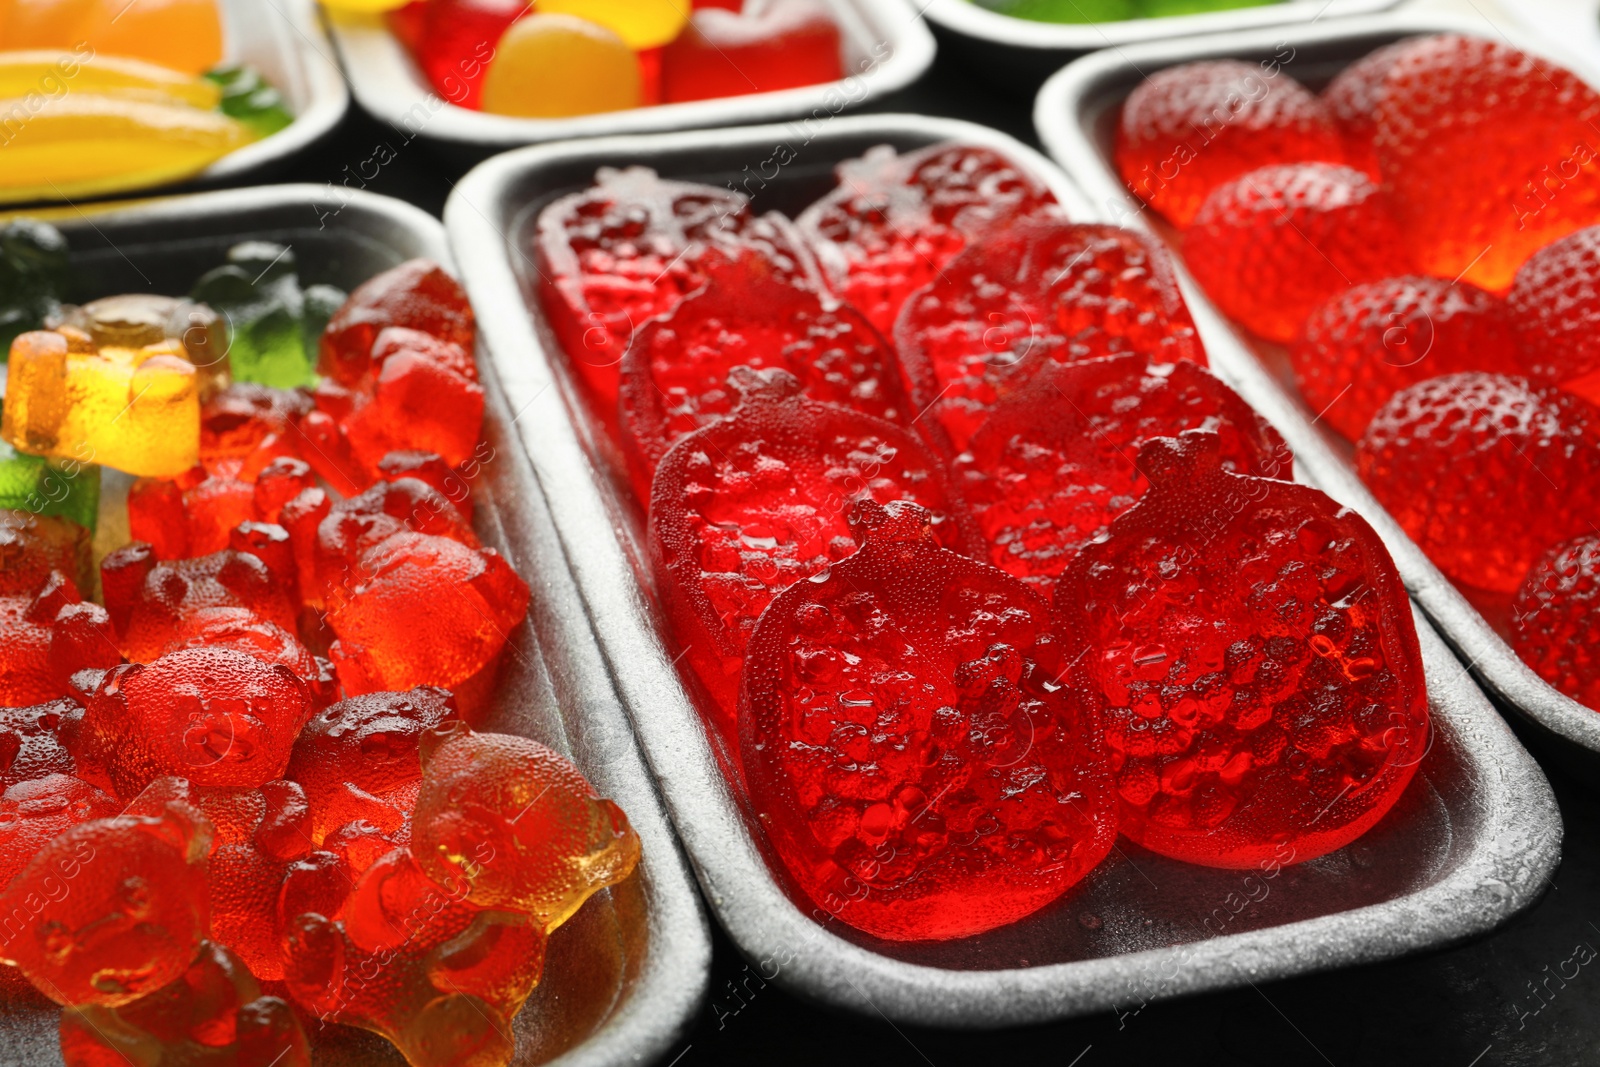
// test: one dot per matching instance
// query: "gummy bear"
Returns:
(425, 394)
(1351, 99)
(1053, 466)
(1274, 243)
(1554, 304)
(273, 325)
(1372, 340)
(418, 295)
(111, 909)
(1251, 652)
(429, 467)
(33, 545)
(49, 635)
(674, 376)
(1554, 621)
(143, 321)
(1186, 130)
(31, 747)
(505, 823)
(34, 271)
(359, 759)
(758, 500)
(553, 65)
(1045, 290)
(213, 1015)
(907, 746)
(894, 221)
(184, 35)
(34, 811)
(780, 44)
(1446, 452)
(1487, 154)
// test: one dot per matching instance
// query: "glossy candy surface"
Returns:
(1554, 304)
(781, 44)
(273, 324)
(1555, 619)
(554, 65)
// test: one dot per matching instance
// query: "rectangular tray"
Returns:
(1472, 842)
(1073, 115)
(889, 47)
(624, 975)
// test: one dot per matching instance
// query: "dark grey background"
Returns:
(1497, 1001)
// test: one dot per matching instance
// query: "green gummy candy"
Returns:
(1166, 8)
(248, 97)
(43, 486)
(1073, 11)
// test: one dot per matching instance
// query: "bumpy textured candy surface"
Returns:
(675, 376)
(1555, 306)
(1487, 154)
(1054, 465)
(551, 65)
(907, 747)
(1352, 102)
(1555, 619)
(31, 546)
(1445, 453)
(1188, 129)
(895, 221)
(213, 1015)
(48, 634)
(425, 394)
(36, 810)
(1274, 243)
(757, 501)
(1372, 340)
(137, 410)
(1045, 290)
(417, 295)
(1250, 650)
(134, 914)
(505, 823)
(787, 43)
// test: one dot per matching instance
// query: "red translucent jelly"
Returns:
(1555, 619)
(781, 44)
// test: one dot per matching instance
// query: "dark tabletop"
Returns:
(1500, 1000)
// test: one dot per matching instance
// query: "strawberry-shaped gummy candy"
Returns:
(1054, 465)
(895, 221)
(1487, 154)
(1352, 101)
(1272, 244)
(756, 501)
(1251, 653)
(1555, 619)
(675, 376)
(1375, 339)
(779, 44)
(1044, 290)
(1188, 129)
(1554, 304)
(1444, 453)
(907, 744)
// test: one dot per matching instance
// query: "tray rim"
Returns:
(672, 980)
(1060, 116)
(1516, 855)
(363, 55)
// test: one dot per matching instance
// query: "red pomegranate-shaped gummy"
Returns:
(1352, 102)
(1555, 307)
(1555, 619)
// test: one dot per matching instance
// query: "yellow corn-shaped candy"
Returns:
(134, 410)
(55, 74)
(86, 144)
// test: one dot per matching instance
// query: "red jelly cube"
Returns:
(778, 45)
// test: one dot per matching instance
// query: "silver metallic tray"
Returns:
(284, 40)
(887, 46)
(1075, 113)
(623, 977)
(1470, 844)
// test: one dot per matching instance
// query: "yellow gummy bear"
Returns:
(185, 35)
(134, 410)
(640, 23)
(553, 66)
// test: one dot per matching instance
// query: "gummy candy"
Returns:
(425, 395)
(781, 44)
(1053, 466)
(1554, 621)
(906, 745)
(505, 823)
(557, 65)
(1250, 650)
(1372, 340)
(111, 909)
(185, 35)
(430, 468)
(1446, 452)
(137, 410)
(894, 221)
(273, 325)
(1487, 154)
(31, 749)
(32, 545)
(36, 810)
(456, 43)
(30, 70)
(1068, 11)
(1274, 243)
(246, 96)
(1045, 290)
(418, 295)
(1554, 304)
(674, 376)
(627, 249)
(245, 427)
(49, 635)
(66, 488)
(642, 24)
(757, 501)
(1352, 101)
(141, 320)
(213, 1015)
(33, 272)
(1189, 129)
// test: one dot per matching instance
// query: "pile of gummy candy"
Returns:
(1424, 236)
(98, 96)
(579, 57)
(212, 836)
(972, 563)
